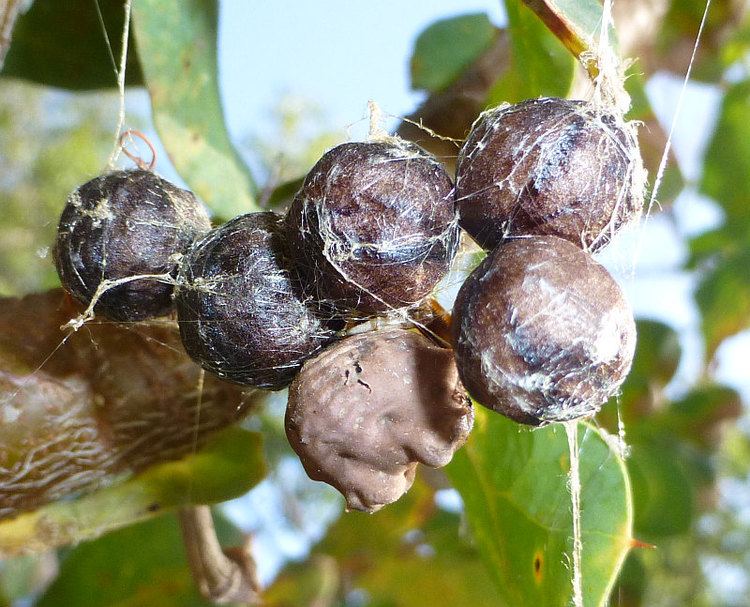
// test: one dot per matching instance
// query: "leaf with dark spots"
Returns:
(514, 483)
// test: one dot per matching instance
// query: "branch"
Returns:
(222, 576)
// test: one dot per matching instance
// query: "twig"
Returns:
(9, 10)
(222, 576)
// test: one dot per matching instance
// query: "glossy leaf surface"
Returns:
(64, 44)
(514, 482)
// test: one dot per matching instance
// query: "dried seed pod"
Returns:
(365, 411)
(240, 307)
(549, 167)
(374, 226)
(123, 224)
(543, 332)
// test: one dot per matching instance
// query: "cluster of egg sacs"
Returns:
(542, 332)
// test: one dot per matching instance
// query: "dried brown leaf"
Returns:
(78, 412)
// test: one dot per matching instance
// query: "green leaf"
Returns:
(447, 47)
(574, 22)
(281, 196)
(727, 160)
(707, 246)
(540, 63)
(671, 458)
(657, 357)
(657, 354)
(22, 576)
(62, 44)
(696, 419)
(514, 482)
(662, 491)
(723, 297)
(721, 42)
(738, 44)
(177, 45)
(229, 465)
(410, 553)
(631, 585)
(142, 565)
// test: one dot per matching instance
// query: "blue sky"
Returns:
(338, 53)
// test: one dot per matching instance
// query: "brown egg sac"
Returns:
(365, 411)
(373, 227)
(549, 166)
(240, 307)
(124, 224)
(543, 333)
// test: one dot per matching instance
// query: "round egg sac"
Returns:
(241, 310)
(542, 332)
(549, 166)
(373, 227)
(125, 224)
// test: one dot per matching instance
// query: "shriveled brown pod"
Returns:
(373, 227)
(124, 224)
(364, 412)
(549, 166)
(109, 401)
(543, 333)
(241, 309)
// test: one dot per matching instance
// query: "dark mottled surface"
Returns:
(240, 307)
(367, 410)
(549, 166)
(543, 333)
(374, 226)
(124, 224)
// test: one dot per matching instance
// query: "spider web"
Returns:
(466, 258)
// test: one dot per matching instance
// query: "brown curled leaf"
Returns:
(79, 412)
